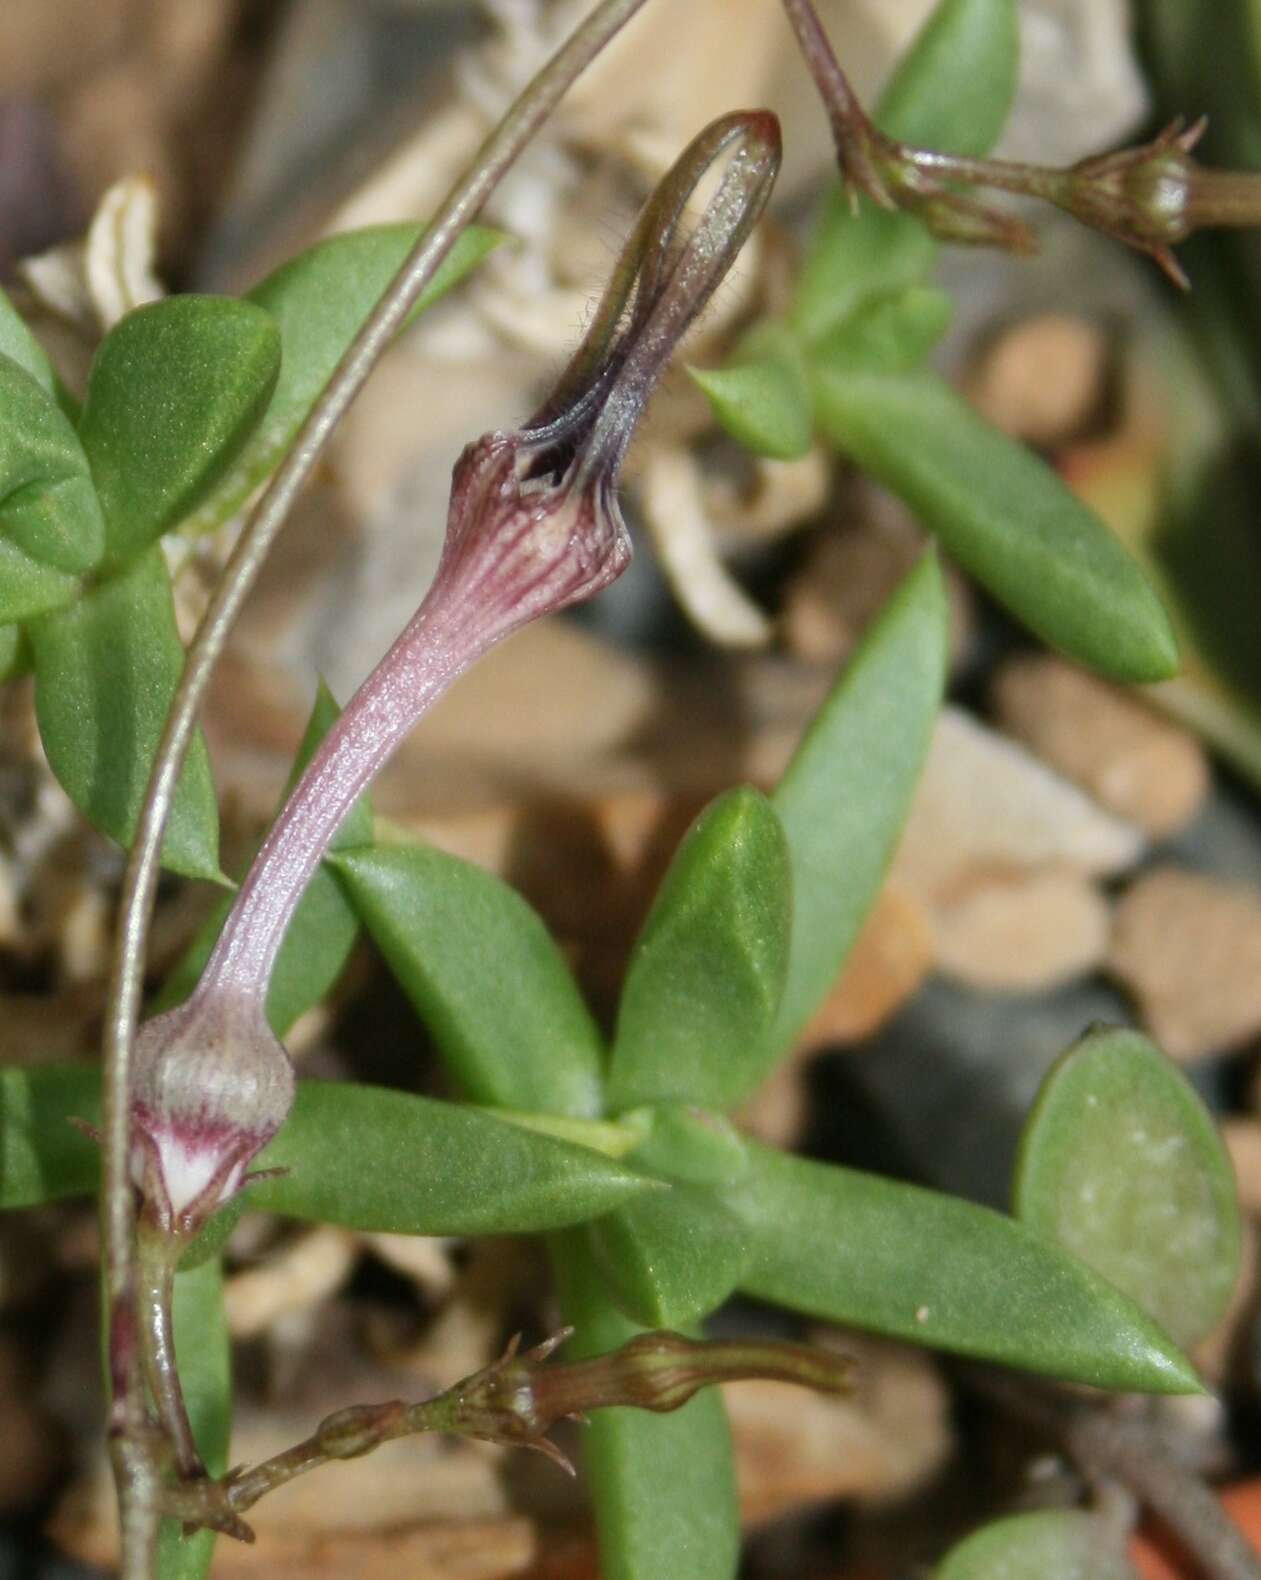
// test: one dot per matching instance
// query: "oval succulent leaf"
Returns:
(761, 395)
(105, 672)
(1121, 1164)
(1005, 516)
(672, 1257)
(663, 1486)
(707, 973)
(878, 1254)
(382, 1160)
(951, 90)
(1053, 1544)
(20, 345)
(846, 793)
(48, 507)
(484, 974)
(43, 1157)
(175, 390)
(15, 652)
(319, 301)
(29, 588)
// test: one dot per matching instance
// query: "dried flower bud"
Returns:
(533, 527)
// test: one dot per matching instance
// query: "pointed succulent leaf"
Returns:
(49, 512)
(43, 1156)
(707, 973)
(663, 1485)
(672, 1257)
(485, 976)
(201, 1352)
(887, 334)
(875, 1253)
(174, 392)
(1005, 516)
(20, 345)
(320, 301)
(319, 939)
(761, 395)
(105, 672)
(951, 91)
(384, 1160)
(1052, 1544)
(846, 793)
(1122, 1165)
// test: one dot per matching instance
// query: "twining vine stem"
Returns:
(137, 1488)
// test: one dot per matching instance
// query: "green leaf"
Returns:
(48, 507)
(484, 974)
(320, 300)
(672, 1257)
(43, 1157)
(202, 1353)
(876, 1253)
(846, 793)
(324, 928)
(953, 88)
(663, 1485)
(689, 1145)
(707, 973)
(951, 91)
(174, 392)
(383, 1160)
(29, 588)
(853, 257)
(888, 334)
(19, 345)
(1005, 517)
(1053, 1544)
(105, 672)
(15, 652)
(761, 395)
(1122, 1165)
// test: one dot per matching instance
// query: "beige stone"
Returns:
(1188, 947)
(49, 42)
(986, 807)
(1134, 762)
(1042, 379)
(1022, 936)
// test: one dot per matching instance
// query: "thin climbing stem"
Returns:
(465, 201)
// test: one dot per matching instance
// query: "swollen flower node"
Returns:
(211, 1086)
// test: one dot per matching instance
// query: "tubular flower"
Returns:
(533, 527)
